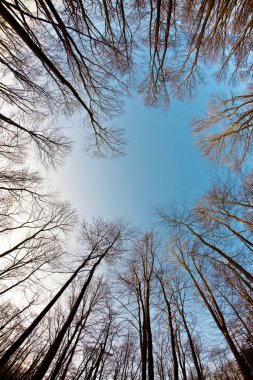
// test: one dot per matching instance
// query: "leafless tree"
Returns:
(138, 281)
(99, 241)
(196, 270)
(225, 133)
(91, 56)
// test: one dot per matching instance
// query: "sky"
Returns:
(161, 165)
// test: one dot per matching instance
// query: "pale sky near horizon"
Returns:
(161, 165)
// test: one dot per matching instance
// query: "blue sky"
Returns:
(161, 164)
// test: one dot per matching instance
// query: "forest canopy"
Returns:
(100, 300)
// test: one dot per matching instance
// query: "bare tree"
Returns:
(138, 282)
(201, 282)
(225, 133)
(100, 240)
(171, 322)
(88, 53)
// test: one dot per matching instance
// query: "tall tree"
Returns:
(99, 240)
(139, 284)
(89, 51)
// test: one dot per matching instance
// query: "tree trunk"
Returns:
(57, 342)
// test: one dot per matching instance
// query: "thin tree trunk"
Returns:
(57, 342)
(149, 338)
(21, 32)
(223, 254)
(194, 356)
(172, 334)
(13, 348)
(220, 322)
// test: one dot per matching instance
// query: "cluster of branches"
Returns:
(57, 57)
(68, 55)
(61, 338)
(180, 38)
(213, 244)
(189, 301)
(177, 307)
